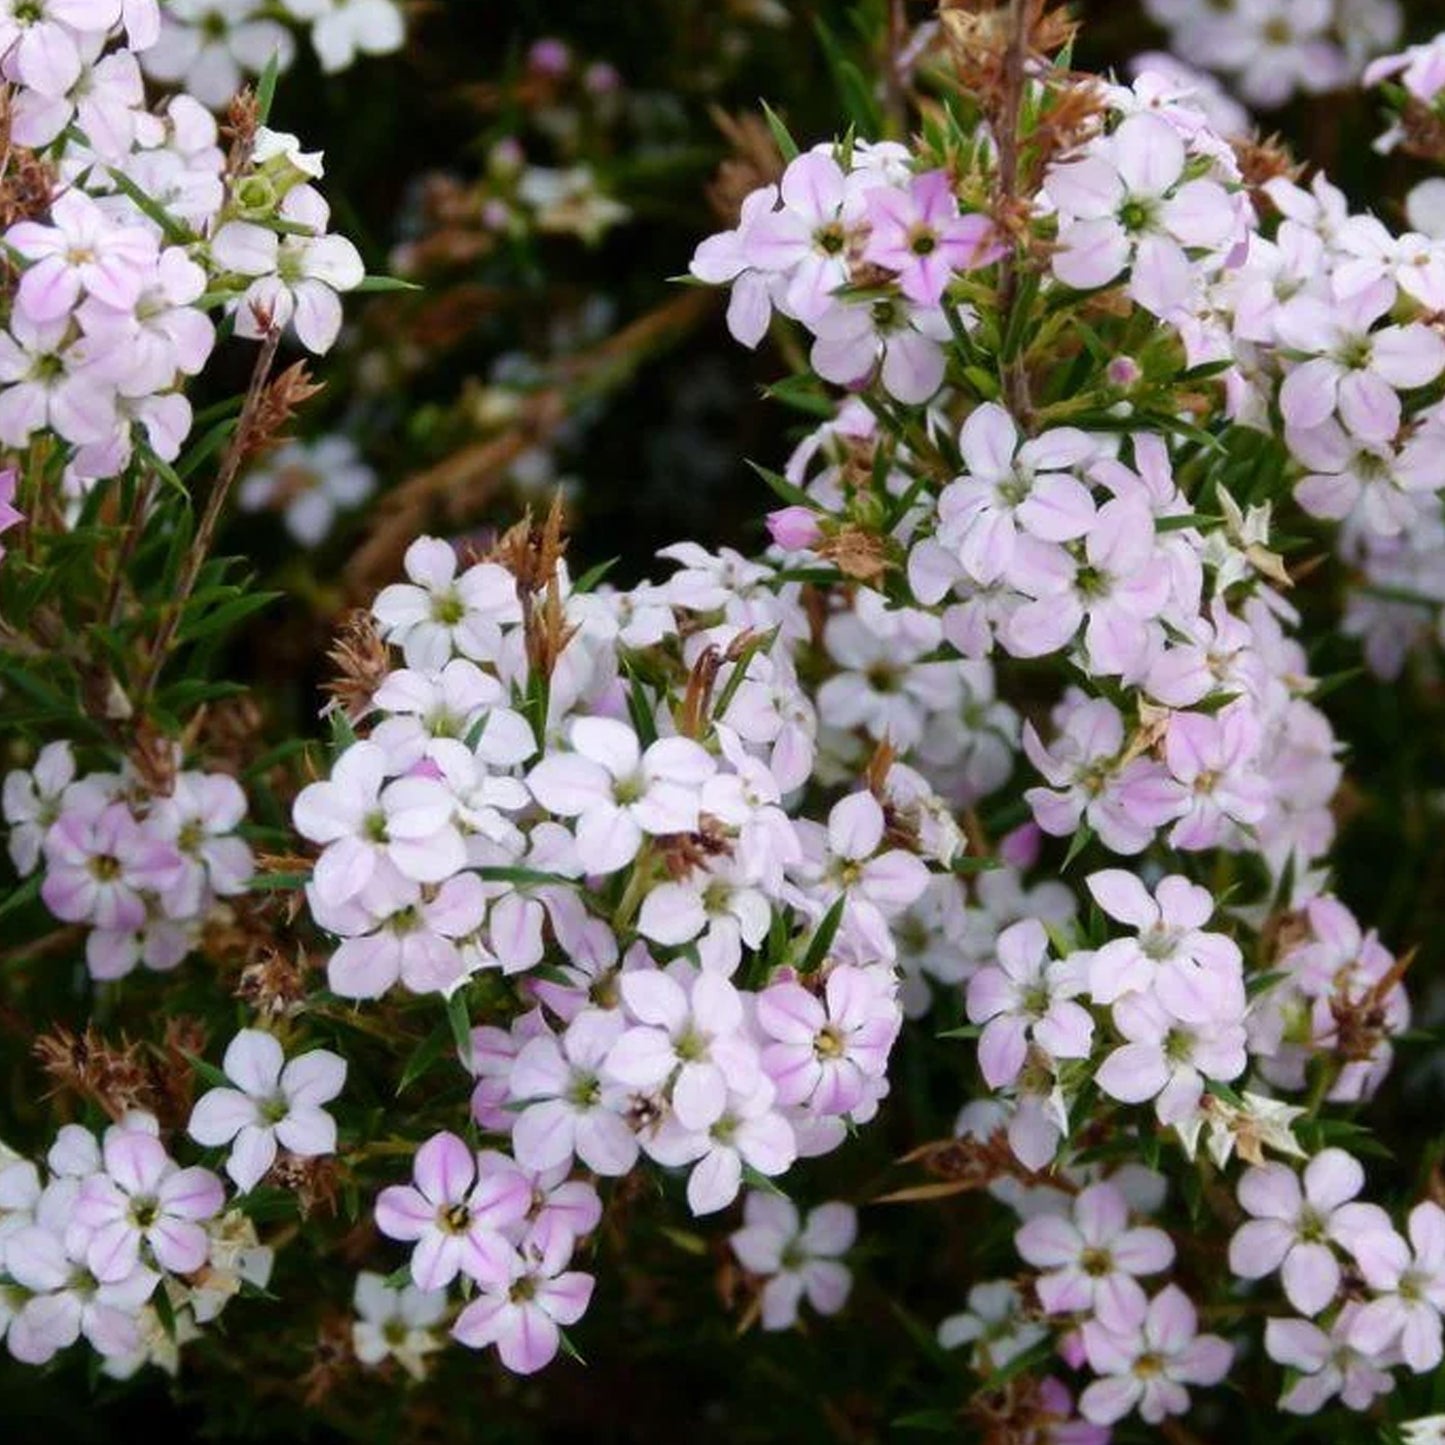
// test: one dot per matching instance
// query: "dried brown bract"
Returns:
(963, 1165)
(756, 161)
(331, 1360)
(1422, 131)
(155, 758)
(857, 554)
(274, 981)
(279, 402)
(980, 33)
(243, 120)
(533, 555)
(1015, 1414)
(1362, 1022)
(361, 659)
(314, 1181)
(116, 1077)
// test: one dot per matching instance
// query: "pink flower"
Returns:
(364, 823)
(751, 1131)
(725, 258)
(877, 885)
(1092, 1258)
(1293, 1228)
(557, 1204)
(298, 274)
(200, 818)
(99, 863)
(32, 800)
(1410, 1280)
(1214, 758)
(1167, 1060)
(1352, 369)
(919, 234)
(853, 337)
(1128, 205)
(47, 1258)
(1370, 480)
(689, 1038)
(1027, 996)
(83, 252)
(454, 1215)
(520, 1306)
(1194, 973)
(570, 1107)
(829, 1050)
(1122, 584)
(270, 1105)
(794, 529)
(807, 243)
(46, 383)
(618, 792)
(41, 39)
(716, 902)
(143, 1197)
(796, 1259)
(404, 935)
(424, 708)
(1008, 486)
(1124, 804)
(1326, 1362)
(1146, 1367)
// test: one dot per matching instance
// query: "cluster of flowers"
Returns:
(87, 1242)
(842, 218)
(1272, 49)
(142, 871)
(1189, 725)
(1179, 1032)
(1387, 495)
(585, 792)
(209, 47)
(1324, 321)
(116, 1243)
(150, 229)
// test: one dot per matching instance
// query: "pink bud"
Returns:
(1124, 371)
(1020, 849)
(794, 528)
(549, 57)
(601, 79)
(1071, 1350)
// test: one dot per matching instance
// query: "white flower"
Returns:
(396, 1323)
(343, 29)
(617, 792)
(438, 614)
(271, 1104)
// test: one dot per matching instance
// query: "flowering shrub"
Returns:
(964, 854)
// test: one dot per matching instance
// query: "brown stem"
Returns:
(215, 504)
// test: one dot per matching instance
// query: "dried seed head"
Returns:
(756, 161)
(857, 554)
(281, 399)
(90, 1069)
(362, 661)
(1262, 159)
